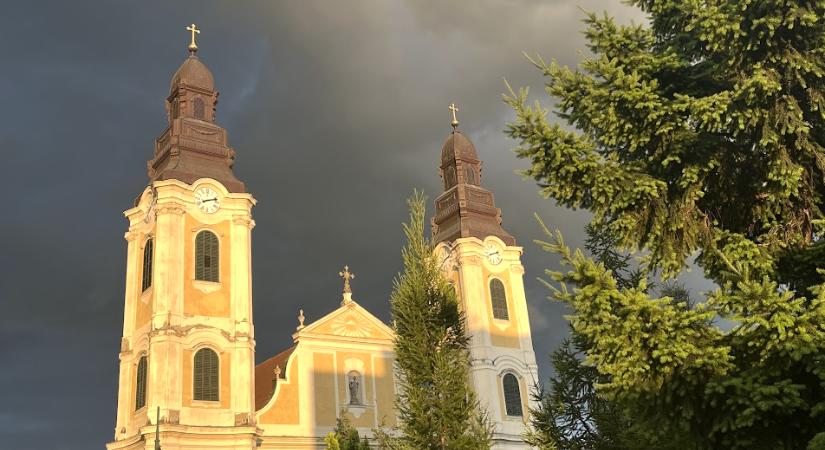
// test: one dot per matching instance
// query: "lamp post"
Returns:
(157, 431)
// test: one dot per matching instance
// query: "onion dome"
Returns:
(458, 147)
(193, 73)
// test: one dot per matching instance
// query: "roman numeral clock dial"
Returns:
(207, 200)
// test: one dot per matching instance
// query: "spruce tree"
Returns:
(437, 407)
(570, 413)
(700, 133)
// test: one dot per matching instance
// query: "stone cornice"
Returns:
(171, 208)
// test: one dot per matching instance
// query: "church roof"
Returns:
(193, 146)
(193, 73)
(465, 208)
(265, 376)
(457, 146)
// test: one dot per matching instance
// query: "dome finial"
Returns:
(193, 47)
(454, 110)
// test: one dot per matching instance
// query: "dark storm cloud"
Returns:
(337, 111)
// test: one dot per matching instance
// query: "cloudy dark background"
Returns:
(337, 111)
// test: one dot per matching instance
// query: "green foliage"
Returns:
(571, 414)
(331, 442)
(712, 118)
(817, 443)
(704, 131)
(437, 407)
(345, 436)
(758, 385)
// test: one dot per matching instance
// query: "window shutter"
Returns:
(205, 376)
(148, 254)
(140, 387)
(206, 256)
(512, 395)
(498, 298)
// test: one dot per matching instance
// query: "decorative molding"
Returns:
(356, 410)
(350, 325)
(517, 268)
(472, 260)
(124, 345)
(243, 220)
(183, 331)
(171, 208)
(207, 287)
(244, 419)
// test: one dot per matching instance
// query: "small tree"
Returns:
(437, 407)
(345, 437)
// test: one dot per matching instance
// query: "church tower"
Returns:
(187, 352)
(484, 263)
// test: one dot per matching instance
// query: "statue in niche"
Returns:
(353, 389)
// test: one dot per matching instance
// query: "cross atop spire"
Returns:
(193, 47)
(454, 110)
(346, 275)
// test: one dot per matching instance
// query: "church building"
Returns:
(188, 378)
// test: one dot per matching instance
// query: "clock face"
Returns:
(493, 254)
(207, 200)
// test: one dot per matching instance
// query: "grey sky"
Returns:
(337, 110)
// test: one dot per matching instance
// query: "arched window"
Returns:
(140, 384)
(206, 256)
(199, 110)
(470, 175)
(148, 251)
(512, 395)
(449, 177)
(498, 298)
(205, 376)
(354, 388)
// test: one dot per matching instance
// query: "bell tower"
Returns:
(187, 351)
(484, 264)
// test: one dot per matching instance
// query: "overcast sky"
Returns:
(337, 110)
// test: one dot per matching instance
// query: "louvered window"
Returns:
(140, 385)
(148, 251)
(206, 256)
(470, 175)
(512, 395)
(498, 298)
(199, 110)
(206, 375)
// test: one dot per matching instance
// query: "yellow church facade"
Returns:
(187, 373)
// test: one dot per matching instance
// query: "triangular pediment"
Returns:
(350, 321)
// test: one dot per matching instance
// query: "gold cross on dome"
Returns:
(346, 275)
(454, 109)
(193, 47)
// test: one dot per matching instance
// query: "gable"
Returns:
(349, 321)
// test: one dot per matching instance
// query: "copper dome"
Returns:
(193, 73)
(458, 147)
